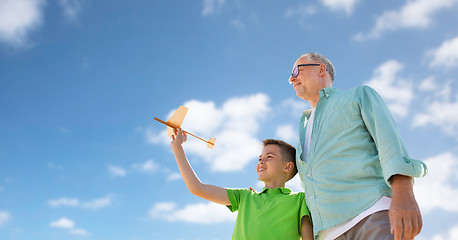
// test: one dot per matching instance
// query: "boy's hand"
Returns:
(195, 186)
(178, 136)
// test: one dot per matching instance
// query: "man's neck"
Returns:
(314, 102)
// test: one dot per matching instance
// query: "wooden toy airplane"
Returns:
(175, 122)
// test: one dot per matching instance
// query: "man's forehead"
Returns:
(302, 60)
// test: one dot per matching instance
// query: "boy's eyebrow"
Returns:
(269, 153)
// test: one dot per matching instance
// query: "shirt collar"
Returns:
(307, 113)
(285, 191)
(327, 92)
(324, 93)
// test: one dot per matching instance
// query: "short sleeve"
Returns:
(304, 211)
(235, 196)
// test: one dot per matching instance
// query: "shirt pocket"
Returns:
(339, 115)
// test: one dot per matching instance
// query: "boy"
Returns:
(275, 212)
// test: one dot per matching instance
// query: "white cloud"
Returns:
(238, 24)
(297, 106)
(54, 166)
(71, 9)
(147, 167)
(62, 223)
(202, 117)
(243, 114)
(207, 213)
(295, 184)
(174, 176)
(234, 125)
(116, 171)
(302, 11)
(235, 150)
(452, 234)
(414, 14)
(18, 19)
(437, 190)
(74, 202)
(428, 84)
(69, 224)
(440, 112)
(212, 6)
(287, 133)
(4, 217)
(446, 55)
(79, 231)
(157, 137)
(395, 91)
(98, 203)
(64, 202)
(259, 186)
(159, 208)
(341, 5)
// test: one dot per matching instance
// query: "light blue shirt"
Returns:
(354, 149)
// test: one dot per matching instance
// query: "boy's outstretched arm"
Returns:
(306, 228)
(195, 186)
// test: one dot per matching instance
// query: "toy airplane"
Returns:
(175, 122)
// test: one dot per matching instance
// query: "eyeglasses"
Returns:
(296, 68)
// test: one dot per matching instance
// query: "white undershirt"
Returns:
(308, 136)
(329, 234)
(382, 204)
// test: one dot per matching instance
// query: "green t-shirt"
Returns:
(269, 214)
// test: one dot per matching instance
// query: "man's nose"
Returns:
(291, 79)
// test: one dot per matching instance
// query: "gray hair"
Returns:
(322, 59)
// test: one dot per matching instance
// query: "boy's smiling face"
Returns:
(271, 166)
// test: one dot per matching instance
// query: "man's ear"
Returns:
(322, 70)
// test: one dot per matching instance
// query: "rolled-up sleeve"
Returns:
(392, 152)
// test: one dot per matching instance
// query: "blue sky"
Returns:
(80, 82)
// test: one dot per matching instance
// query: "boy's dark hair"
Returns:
(288, 152)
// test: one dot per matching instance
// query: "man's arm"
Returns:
(306, 228)
(195, 186)
(397, 166)
(404, 212)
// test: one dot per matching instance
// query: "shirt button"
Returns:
(308, 175)
(311, 197)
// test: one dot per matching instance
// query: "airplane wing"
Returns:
(176, 119)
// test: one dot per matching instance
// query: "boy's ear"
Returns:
(289, 167)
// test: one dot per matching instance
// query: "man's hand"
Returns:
(405, 216)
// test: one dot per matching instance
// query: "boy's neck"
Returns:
(271, 185)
